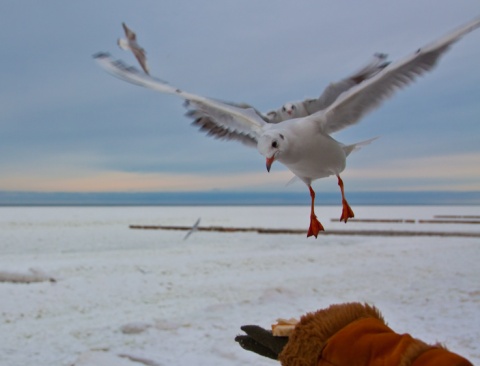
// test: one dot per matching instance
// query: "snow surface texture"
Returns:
(133, 297)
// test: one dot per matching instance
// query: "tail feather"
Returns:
(357, 146)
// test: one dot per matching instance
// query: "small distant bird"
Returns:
(131, 44)
(193, 229)
(304, 145)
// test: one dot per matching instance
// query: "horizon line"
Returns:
(251, 198)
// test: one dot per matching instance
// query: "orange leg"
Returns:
(347, 212)
(315, 225)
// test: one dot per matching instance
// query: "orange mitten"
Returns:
(355, 334)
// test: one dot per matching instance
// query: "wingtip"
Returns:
(381, 55)
(101, 55)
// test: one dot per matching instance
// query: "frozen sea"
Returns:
(148, 295)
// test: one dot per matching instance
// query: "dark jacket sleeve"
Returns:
(355, 334)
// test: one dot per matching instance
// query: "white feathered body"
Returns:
(310, 154)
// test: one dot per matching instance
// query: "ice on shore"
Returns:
(125, 296)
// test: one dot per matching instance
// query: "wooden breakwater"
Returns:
(226, 229)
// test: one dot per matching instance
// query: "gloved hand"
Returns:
(261, 341)
(344, 335)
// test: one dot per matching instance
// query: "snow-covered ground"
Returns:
(148, 294)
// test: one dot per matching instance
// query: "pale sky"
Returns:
(69, 126)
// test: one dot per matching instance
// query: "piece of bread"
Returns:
(284, 327)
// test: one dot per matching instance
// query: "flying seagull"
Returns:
(304, 144)
(192, 230)
(130, 44)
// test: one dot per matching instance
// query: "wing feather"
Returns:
(129, 33)
(219, 119)
(333, 90)
(351, 106)
(330, 93)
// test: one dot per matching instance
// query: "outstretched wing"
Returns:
(351, 106)
(218, 119)
(332, 91)
(131, 44)
(129, 33)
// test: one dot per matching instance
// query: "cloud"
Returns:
(457, 172)
(57, 102)
(117, 181)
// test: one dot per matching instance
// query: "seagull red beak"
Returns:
(270, 162)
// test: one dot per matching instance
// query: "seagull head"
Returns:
(289, 108)
(271, 145)
(123, 44)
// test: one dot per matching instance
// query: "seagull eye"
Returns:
(274, 144)
(284, 109)
(293, 107)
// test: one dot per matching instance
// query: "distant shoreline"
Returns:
(220, 198)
